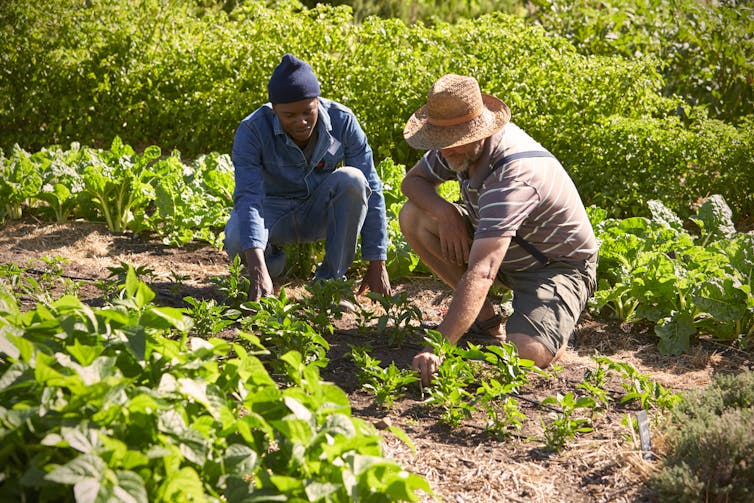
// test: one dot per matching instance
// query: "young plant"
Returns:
(564, 425)
(235, 286)
(509, 374)
(325, 302)
(594, 384)
(209, 318)
(449, 387)
(401, 317)
(387, 383)
(118, 273)
(276, 322)
(177, 281)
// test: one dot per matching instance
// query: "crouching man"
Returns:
(522, 223)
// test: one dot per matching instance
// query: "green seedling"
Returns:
(449, 387)
(277, 323)
(387, 383)
(177, 281)
(402, 317)
(209, 318)
(235, 286)
(594, 384)
(564, 425)
(325, 303)
(641, 388)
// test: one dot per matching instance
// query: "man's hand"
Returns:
(376, 279)
(259, 279)
(426, 363)
(455, 241)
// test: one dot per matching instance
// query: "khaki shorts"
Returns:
(548, 300)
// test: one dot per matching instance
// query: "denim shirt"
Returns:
(268, 162)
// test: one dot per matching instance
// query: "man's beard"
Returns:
(460, 164)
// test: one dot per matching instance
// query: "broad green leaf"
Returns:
(85, 466)
(299, 410)
(674, 332)
(294, 430)
(165, 318)
(182, 485)
(317, 491)
(722, 298)
(240, 459)
(715, 218)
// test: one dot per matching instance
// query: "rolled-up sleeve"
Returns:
(358, 154)
(248, 194)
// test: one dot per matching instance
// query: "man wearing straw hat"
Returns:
(304, 172)
(522, 224)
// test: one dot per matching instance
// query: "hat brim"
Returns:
(420, 134)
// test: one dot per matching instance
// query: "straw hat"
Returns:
(456, 113)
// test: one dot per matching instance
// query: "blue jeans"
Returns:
(334, 212)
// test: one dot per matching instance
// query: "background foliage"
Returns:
(181, 74)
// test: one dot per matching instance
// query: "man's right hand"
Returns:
(455, 241)
(259, 279)
(426, 364)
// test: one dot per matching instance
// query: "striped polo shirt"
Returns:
(519, 188)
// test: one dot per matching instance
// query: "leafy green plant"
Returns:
(655, 270)
(402, 317)
(448, 390)
(20, 180)
(235, 286)
(106, 404)
(639, 387)
(117, 183)
(564, 425)
(387, 383)
(504, 375)
(325, 303)
(280, 328)
(209, 317)
(119, 272)
(594, 383)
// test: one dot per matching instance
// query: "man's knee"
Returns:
(408, 218)
(531, 348)
(353, 181)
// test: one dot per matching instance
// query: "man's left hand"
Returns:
(376, 279)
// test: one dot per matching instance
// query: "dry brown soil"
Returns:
(464, 463)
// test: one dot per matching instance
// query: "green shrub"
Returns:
(705, 50)
(711, 440)
(181, 74)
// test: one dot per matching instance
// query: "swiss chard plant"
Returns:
(687, 285)
(117, 182)
(20, 180)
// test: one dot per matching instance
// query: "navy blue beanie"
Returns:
(292, 80)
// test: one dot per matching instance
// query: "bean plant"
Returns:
(387, 383)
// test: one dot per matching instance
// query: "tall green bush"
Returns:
(705, 50)
(412, 11)
(181, 74)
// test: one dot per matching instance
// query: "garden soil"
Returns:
(463, 464)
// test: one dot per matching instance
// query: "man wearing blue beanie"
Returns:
(304, 172)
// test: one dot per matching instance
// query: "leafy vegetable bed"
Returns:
(462, 461)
